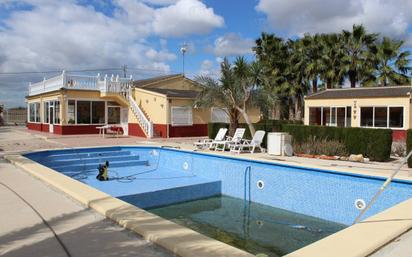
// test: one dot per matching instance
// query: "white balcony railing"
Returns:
(81, 82)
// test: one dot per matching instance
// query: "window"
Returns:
(220, 115)
(314, 115)
(98, 112)
(330, 116)
(340, 116)
(181, 116)
(348, 116)
(46, 112)
(382, 117)
(83, 112)
(396, 117)
(366, 117)
(333, 116)
(113, 115)
(57, 112)
(326, 116)
(71, 112)
(34, 112)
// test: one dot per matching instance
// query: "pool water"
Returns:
(253, 227)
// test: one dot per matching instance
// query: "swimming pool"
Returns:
(152, 177)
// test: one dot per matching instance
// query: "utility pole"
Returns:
(183, 50)
(124, 68)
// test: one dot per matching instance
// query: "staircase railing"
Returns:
(145, 123)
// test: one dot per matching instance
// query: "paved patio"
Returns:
(76, 223)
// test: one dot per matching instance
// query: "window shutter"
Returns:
(182, 116)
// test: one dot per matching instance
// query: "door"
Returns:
(51, 117)
(124, 120)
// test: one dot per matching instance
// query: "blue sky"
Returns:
(146, 35)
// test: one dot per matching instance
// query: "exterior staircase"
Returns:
(121, 89)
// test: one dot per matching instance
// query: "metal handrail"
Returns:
(382, 188)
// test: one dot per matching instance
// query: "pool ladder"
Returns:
(382, 188)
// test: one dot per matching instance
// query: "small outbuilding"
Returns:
(366, 107)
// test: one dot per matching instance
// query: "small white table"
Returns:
(102, 129)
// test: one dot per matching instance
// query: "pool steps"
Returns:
(88, 161)
(92, 160)
(80, 155)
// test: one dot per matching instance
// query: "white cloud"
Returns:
(66, 35)
(295, 17)
(209, 68)
(160, 56)
(232, 44)
(160, 2)
(185, 17)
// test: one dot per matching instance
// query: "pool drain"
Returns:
(260, 184)
(360, 204)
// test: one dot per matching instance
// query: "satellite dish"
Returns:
(288, 150)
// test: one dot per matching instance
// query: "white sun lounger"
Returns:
(249, 144)
(237, 138)
(220, 136)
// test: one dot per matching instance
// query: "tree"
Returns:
(390, 64)
(332, 72)
(233, 90)
(313, 50)
(272, 53)
(298, 61)
(356, 44)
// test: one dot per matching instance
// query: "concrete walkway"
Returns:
(83, 231)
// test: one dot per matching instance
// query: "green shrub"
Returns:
(321, 147)
(409, 146)
(372, 143)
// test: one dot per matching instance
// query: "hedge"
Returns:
(409, 145)
(372, 143)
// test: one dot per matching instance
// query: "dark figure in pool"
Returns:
(103, 172)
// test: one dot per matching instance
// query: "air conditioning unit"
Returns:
(278, 143)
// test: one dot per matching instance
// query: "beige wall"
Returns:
(361, 102)
(154, 105)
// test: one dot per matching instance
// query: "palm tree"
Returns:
(391, 65)
(313, 49)
(332, 72)
(213, 92)
(356, 44)
(234, 89)
(272, 54)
